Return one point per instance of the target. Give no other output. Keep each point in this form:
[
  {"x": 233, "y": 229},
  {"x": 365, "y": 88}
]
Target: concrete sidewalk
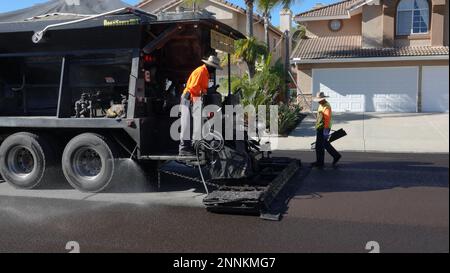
[{"x": 379, "y": 132}]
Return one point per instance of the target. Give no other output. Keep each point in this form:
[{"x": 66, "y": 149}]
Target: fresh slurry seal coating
[{"x": 399, "y": 200}]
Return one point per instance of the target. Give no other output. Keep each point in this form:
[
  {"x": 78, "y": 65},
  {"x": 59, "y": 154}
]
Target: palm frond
[
  {"x": 266, "y": 6},
  {"x": 289, "y": 3}
]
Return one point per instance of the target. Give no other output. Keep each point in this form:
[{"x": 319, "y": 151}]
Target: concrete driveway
[{"x": 379, "y": 132}]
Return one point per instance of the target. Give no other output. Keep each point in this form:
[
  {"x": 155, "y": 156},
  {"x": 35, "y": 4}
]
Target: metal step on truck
[{"x": 79, "y": 93}]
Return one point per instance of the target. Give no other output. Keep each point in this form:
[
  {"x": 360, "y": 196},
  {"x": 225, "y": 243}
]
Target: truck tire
[
  {"x": 89, "y": 162},
  {"x": 27, "y": 160}
]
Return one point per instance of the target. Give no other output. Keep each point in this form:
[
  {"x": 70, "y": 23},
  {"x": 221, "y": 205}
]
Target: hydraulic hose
[{"x": 214, "y": 148}]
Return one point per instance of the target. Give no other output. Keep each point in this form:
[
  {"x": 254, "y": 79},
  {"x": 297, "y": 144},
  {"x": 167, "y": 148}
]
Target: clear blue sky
[{"x": 301, "y": 5}]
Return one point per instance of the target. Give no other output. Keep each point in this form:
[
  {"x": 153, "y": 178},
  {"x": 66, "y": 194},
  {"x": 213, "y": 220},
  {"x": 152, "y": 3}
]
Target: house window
[
  {"x": 335, "y": 25},
  {"x": 412, "y": 17}
]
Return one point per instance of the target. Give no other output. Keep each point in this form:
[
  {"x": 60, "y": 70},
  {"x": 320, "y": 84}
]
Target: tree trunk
[
  {"x": 266, "y": 32},
  {"x": 249, "y": 4},
  {"x": 251, "y": 70}
]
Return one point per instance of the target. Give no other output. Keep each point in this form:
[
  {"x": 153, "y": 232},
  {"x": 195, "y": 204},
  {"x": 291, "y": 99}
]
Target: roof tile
[
  {"x": 342, "y": 47},
  {"x": 336, "y": 9}
]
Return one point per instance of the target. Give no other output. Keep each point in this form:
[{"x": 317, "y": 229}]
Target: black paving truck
[{"x": 79, "y": 92}]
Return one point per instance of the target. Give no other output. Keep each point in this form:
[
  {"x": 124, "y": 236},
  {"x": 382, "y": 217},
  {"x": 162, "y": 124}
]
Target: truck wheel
[
  {"x": 26, "y": 160},
  {"x": 88, "y": 162}
]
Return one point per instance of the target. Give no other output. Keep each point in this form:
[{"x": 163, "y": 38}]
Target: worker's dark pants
[
  {"x": 323, "y": 144},
  {"x": 187, "y": 120}
]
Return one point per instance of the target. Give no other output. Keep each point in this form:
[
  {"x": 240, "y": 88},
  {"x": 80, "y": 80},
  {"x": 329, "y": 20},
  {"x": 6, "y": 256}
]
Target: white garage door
[
  {"x": 380, "y": 89},
  {"x": 435, "y": 89}
]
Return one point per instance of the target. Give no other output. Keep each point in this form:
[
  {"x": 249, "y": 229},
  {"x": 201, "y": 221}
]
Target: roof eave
[
  {"x": 351, "y": 10},
  {"x": 359, "y": 5},
  {"x": 321, "y": 18},
  {"x": 295, "y": 61}
]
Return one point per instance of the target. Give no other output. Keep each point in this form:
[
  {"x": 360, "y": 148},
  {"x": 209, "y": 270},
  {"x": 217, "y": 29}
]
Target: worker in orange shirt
[
  {"x": 323, "y": 128},
  {"x": 196, "y": 86}
]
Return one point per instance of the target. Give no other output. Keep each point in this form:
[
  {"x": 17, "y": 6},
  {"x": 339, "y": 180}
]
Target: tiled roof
[
  {"x": 168, "y": 4},
  {"x": 343, "y": 47},
  {"x": 231, "y": 5},
  {"x": 336, "y": 9}
]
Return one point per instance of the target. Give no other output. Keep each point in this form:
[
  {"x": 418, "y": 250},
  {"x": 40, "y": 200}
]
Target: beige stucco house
[
  {"x": 227, "y": 13},
  {"x": 376, "y": 55}
]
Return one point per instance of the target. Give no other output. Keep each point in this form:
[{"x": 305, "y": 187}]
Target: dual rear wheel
[
  {"x": 89, "y": 162},
  {"x": 29, "y": 161}
]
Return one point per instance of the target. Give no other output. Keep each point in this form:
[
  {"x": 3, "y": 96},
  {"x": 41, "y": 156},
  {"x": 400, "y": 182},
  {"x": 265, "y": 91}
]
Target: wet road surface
[{"x": 400, "y": 201}]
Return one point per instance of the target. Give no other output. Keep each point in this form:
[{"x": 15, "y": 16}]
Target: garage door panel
[
  {"x": 333, "y": 95},
  {"x": 344, "y": 105},
  {"x": 380, "y": 89},
  {"x": 357, "y": 106},
  {"x": 381, "y": 107},
  {"x": 394, "y": 103},
  {"x": 435, "y": 89}
]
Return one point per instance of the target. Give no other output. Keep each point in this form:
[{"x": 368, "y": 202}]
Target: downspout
[{"x": 419, "y": 89}]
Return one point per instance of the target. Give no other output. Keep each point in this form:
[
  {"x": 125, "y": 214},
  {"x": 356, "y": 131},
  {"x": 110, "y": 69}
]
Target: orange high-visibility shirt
[
  {"x": 198, "y": 82},
  {"x": 327, "y": 118},
  {"x": 324, "y": 117}
]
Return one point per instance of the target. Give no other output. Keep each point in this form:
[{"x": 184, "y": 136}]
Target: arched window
[{"x": 413, "y": 17}]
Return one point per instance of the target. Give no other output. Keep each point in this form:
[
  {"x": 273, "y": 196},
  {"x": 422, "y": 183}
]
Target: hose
[
  {"x": 21, "y": 87},
  {"x": 211, "y": 147}
]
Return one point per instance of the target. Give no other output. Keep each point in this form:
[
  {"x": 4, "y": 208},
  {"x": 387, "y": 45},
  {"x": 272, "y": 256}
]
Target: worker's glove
[
  {"x": 187, "y": 95},
  {"x": 326, "y": 133},
  {"x": 213, "y": 89}
]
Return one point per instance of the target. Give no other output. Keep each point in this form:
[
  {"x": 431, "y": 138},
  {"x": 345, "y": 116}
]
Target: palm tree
[
  {"x": 249, "y": 8},
  {"x": 287, "y": 3},
  {"x": 298, "y": 33},
  {"x": 250, "y": 50},
  {"x": 266, "y": 7}
]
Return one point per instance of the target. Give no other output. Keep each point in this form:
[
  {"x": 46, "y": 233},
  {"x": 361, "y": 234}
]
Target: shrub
[
  {"x": 288, "y": 118},
  {"x": 266, "y": 88}
]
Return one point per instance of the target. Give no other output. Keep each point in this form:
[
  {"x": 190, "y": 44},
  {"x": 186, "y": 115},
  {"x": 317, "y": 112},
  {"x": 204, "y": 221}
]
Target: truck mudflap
[{"x": 259, "y": 194}]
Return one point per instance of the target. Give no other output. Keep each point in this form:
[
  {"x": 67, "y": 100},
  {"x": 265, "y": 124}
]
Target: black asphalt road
[{"x": 400, "y": 201}]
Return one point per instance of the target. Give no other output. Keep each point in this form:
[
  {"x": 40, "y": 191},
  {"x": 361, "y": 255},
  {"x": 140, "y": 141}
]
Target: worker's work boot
[
  {"x": 336, "y": 160},
  {"x": 186, "y": 152},
  {"x": 317, "y": 165}
]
